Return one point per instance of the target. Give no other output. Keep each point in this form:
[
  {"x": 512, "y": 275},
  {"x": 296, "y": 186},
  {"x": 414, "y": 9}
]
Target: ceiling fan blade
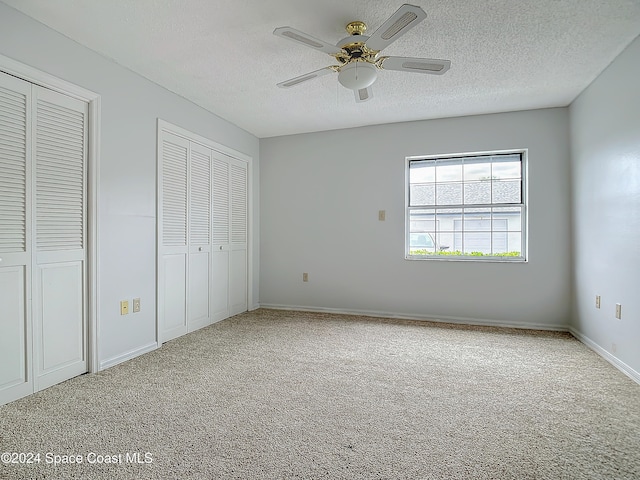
[
  {"x": 432, "y": 66},
  {"x": 405, "y": 18},
  {"x": 306, "y": 40},
  {"x": 292, "y": 82},
  {"x": 364, "y": 94}
]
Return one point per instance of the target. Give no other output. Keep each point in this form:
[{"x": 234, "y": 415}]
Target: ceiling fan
[{"x": 358, "y": 54}]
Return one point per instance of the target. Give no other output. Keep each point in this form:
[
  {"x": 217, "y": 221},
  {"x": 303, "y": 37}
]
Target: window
[{"x": 467, "y": 207}]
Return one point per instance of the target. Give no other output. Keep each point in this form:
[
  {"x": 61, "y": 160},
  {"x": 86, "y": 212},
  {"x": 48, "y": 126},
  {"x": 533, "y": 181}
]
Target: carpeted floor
[{"x": 273, "y": 394}]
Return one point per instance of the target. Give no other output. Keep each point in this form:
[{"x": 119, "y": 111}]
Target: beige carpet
[{"x": 273, "y": 395}]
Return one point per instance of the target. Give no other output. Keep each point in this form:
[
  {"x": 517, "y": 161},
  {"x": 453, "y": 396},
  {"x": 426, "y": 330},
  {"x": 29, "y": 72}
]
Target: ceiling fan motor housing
[{"x": 358, "y": 70}]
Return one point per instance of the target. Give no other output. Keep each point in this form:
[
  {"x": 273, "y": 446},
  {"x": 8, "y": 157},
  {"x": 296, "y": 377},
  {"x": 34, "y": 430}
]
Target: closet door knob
[{"x": 199, "y": 249}]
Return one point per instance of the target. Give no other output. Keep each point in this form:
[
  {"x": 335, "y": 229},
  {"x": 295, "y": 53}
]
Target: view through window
[{"x": 466, "y": 207}]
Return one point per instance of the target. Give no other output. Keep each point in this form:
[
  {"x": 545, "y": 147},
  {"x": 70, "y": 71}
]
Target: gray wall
[
  {"x": 127, "y": 176},
  {"x": 320, "y": 196},
  {"x": 605, "y": 145}
]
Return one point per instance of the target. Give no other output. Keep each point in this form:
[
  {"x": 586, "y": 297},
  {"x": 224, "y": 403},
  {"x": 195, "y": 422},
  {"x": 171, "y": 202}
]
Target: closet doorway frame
[{"x": 51, "y": 82}]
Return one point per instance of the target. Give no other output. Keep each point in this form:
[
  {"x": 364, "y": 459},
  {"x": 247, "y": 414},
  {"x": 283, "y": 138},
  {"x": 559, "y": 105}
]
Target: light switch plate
[
  {"x": 124, "y": 307},
  {"x": 136, "y": 305}
]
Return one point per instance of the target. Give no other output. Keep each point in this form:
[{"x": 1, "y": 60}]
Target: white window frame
[{"x": 523, "y": 258}]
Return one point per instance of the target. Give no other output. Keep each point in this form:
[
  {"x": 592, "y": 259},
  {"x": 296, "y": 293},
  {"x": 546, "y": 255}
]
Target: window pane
[
  {"x": 422, "y": 243},
  {"x": 472, "y": 215},
  {"x": 477, "y": 192},
  {"x": 448, "y": 172},
  {"x": 514, "y": 243},
  {"x": 446, "y": 218},
  {"x": 422, "y": 231},
  {"x": 507, "y": 219},
  {"x": 505, "y": 170},
  {"x": 422, "y": 172},
  {"x": 477, "y": 223},
  {"x": 507, "y": 191},
  {"x": 476, "y": 242},
  {"x": 477, "y": 171},
  {"x": 499, "y": 242},
  {"x": 444, "y": 241},
  {"x": 449, "y": 194},
  {"x": 422, "y": 194}
]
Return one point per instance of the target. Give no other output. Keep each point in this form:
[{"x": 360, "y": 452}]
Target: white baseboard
[
  {"x": 128, "y": 355},
  {"x": 429, "y": 318},
  {"x": 616, "y": 362}
]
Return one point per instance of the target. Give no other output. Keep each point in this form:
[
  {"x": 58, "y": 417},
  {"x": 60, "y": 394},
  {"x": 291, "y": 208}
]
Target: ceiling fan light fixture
[{"x": 357, "y": 75}]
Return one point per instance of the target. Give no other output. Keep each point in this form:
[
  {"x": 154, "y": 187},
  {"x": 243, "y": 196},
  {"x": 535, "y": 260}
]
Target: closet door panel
[
  {"x": 59, "y": 154},
  {"x": 16, "y": 379},
  {"x": 61, "y": 322},
  {"x": 221, "y": 203},
  {"x": 199, "y": 237},
  {"x": 238, "y": 281},
  {"x": 220, "y": 284},
  {"x": 238, "y": 247},
  {"x": 174, "y": 297},
  {"x": 173, "y": 249},
  {"x": 198, "y": 290}
]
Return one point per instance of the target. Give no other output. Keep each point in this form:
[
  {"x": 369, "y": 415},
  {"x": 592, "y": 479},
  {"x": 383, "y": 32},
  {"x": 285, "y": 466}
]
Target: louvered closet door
[
  {"x": 60, "y": 293},
  {"x": 229, "y": 286},
  {"x": 221, "y": 234},
  {"x": 15, "y": 239},
  {"x": 238, "y": 246},
  {"x": 173, "y": 230},
  {"x": 199, "y": 237}
]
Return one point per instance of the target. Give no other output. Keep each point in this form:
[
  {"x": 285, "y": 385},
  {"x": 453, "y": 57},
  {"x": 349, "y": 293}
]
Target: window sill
[{"x": 470, "y": 258}]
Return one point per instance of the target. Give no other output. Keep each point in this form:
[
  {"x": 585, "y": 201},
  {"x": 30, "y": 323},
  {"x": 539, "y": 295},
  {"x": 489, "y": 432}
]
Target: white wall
[
  {"x": 320, "y": 196},
  {"x": 127, "y": 176},
  {"x": 605, "y": 146}
]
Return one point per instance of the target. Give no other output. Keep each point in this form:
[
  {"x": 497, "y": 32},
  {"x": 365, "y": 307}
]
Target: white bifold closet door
[
  {"x": 43, "y": 322},
  {"x": 229, "y": 252},
  {"x": 59, "y": 290},
  {"x": 173, "y": 251},
  {"x": 185, "y": 247},
  {"x": 202, "y": 235},
  {"x": 16, "y": 379},
  {"x": 199, "y": 308}
]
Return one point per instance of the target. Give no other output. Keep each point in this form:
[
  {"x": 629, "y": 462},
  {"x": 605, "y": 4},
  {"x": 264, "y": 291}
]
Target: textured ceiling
[{"x": 506, "y": 55}]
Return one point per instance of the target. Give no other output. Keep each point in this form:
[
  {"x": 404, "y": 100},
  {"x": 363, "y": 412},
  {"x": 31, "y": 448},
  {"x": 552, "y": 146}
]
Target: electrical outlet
[
  {"x": 124, "y": 307},
  {"x": 597, "y": 301},
  {"x": 305, "y": 277},
  {"x": 136, "y": 305},
  {"x": 618, "y": 311},
  {"x": 382, "y": 215}
]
